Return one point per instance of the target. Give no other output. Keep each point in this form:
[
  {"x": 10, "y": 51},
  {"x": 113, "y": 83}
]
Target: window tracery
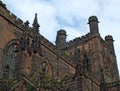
[{"x": 9, "y": 59}]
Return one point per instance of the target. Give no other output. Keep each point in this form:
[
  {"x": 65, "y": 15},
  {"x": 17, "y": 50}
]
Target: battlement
[
  {"x": 12, "y": 17},
  {"x": 2, "y": 4},
  {"x": 79, "y": 40}
]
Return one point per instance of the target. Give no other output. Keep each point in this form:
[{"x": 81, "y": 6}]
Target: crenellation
[
  {"x": 10, "y": 15},
  {"x": 15, "y": 20},
  {"x": 88, "y": 35},
  {"x": 2, "y": 4},
  {"x": 13, "y": 17},
  {"x": 7, "y": 12},
  {"x": 83, "y": 37},
  {"x": 20, "y": 22},
  {"x": 79, "y": 40}
]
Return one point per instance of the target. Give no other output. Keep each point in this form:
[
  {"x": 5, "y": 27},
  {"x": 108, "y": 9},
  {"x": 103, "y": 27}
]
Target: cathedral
[{"x": 30, "y": 62}]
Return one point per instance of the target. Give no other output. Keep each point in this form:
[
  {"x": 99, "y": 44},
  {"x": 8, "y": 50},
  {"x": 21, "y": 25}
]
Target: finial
[{"x": 35, "y": 24}]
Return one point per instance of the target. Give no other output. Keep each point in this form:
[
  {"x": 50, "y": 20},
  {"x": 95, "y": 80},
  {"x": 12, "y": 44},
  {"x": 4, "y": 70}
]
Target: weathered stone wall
[
  {"x": 98, "y": 53},
  {"x": 59, "y": 65},
  {"x": 6, "y": 32},
  {"x": 88, "y": 46},
  {"x": 85, "y": 84},
  {"x": 109, "y": 63}
]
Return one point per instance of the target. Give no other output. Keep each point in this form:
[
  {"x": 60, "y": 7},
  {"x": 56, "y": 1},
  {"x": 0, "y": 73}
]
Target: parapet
[
  {"x": 79, "y": 39},
  {"x": 2, "y": 4},
  {"x": 5, "y": 13}
]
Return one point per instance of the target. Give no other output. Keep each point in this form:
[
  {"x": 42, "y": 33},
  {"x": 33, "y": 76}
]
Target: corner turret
[
  {"x": 61, "y": 39},
  {"x": 93, "y": 24},
  {"x": 109, "y": 40}
]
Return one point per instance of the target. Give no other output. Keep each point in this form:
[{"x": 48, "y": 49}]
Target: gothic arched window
[{"x": 9, "y": 59}]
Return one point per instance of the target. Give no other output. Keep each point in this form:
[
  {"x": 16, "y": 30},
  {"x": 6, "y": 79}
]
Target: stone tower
[
  {"x": 93, "y": 24},
  {"x": 61, "y": 39}
]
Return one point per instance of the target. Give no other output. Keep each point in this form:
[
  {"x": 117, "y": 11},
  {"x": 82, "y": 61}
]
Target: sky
[{"x": 71, "y": 15}]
